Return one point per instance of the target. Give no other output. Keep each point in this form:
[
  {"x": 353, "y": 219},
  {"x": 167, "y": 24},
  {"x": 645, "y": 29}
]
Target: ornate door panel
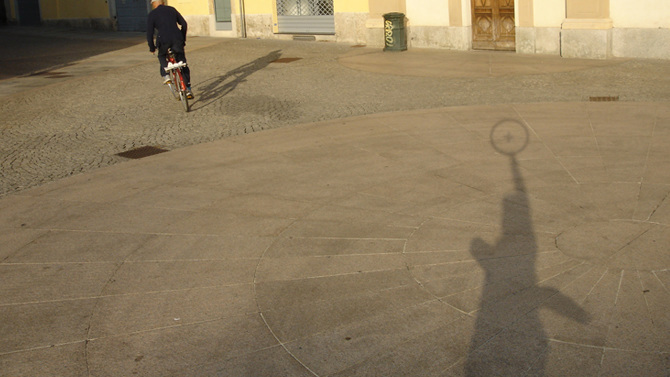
[{"x": 493, "y": 25}]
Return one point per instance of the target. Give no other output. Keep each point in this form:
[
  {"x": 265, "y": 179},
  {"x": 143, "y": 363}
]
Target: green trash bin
[{"x": 395, "y": 38}]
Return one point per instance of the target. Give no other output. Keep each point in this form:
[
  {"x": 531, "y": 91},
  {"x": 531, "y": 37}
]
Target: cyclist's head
[{"x": 156, "y": 3}]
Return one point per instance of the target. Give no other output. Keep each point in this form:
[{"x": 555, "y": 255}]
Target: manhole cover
[{"x": 141, "y": 152}]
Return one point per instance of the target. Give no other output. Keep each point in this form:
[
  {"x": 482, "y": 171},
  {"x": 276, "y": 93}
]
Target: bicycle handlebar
[{"x": 171, "y": 66}]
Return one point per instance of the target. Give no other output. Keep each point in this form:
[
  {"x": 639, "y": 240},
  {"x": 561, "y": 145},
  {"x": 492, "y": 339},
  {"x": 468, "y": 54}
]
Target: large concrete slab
[{"x": 524, "y": 239}]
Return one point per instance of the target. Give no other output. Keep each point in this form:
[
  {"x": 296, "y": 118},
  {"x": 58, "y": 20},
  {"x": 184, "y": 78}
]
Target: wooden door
[{"x": 493, "y": 25}]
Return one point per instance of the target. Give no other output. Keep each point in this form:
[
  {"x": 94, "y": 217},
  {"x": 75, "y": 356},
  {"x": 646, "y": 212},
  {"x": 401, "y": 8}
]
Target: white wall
[
  {"x": 640, "y": 13},
  {"x": 466, "y": 9},
  {"x": 428, "y": 12}
]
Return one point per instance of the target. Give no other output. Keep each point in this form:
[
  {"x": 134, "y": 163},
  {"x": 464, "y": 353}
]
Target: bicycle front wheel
[{"x": 184, "y": 100}]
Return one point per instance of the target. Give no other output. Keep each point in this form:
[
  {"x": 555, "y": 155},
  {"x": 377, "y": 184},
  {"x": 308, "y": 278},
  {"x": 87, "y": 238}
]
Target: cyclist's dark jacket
[{"x": 165, "y": 19}]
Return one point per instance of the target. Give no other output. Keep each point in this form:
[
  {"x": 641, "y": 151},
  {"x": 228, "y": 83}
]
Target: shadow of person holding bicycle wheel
[
  {"x": 218, "y": 87},
  {"x": 509, "y": 337}
]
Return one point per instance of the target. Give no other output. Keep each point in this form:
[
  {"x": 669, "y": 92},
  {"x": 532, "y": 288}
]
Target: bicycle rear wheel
[
  {"x": 182, "y": 91},
  {"x": 174, "y": 84}
]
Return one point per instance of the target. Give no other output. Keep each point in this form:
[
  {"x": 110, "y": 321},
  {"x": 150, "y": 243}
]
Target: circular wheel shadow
[{"x": 509, "y": 137}]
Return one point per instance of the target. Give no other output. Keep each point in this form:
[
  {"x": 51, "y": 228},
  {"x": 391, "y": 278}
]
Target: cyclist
[{"x": 165, "y": 19}]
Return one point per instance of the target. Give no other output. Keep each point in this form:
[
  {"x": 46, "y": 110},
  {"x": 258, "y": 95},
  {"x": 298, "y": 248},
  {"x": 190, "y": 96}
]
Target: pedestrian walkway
[
  {"x": 512, "y": 239},
  {"x": 462, "y": 64}
]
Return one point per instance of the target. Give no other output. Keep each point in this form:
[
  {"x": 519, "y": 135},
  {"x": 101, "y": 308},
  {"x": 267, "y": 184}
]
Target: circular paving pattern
[
  {"x": 622, "y": 244},
  {"x": 524, "y": 240},
  {"x": 541, "y": 253}
]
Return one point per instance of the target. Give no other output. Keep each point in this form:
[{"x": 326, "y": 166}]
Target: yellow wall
[
  {"x": 379, "y": 7},
  {"x": 351, "y": 6},
  {"x": 268, "y": 6},
  {"x": 49, "y": 9},
  {"x": 191, "y": 7},
  {"x": 588, "y": 8},
  {"x": 548, "y": 13},
  {"x": 64, "y": 9},
  {"x": 258, "y": 6}
]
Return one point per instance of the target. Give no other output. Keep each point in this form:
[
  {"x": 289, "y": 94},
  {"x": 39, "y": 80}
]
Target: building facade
[{"x": 598, "y": 29}]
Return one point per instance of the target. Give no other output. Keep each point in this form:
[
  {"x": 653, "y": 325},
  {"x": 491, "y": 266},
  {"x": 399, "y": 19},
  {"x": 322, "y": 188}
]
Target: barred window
[{"x": 305, "y": 7}]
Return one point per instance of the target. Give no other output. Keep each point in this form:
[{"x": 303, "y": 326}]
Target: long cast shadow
[
  {"x": 32, "y": 50},
  {"x": 509, "y": 338},
  {"x": 218, "y": 87}
]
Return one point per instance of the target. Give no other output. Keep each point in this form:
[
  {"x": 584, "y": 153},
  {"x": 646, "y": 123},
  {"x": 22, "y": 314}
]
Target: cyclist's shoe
[
  {"x": 166, "y": 79},
  {"x": 189, "y": 93}
]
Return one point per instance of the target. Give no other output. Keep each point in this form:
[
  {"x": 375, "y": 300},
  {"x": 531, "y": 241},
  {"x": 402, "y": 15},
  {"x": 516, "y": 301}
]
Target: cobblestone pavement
[
  {"x": 68, "y": 124},
  {"x": 522, "y": 239}
]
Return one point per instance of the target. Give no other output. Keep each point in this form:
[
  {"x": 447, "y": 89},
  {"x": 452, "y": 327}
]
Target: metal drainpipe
[{"x": 243, "y": 21}]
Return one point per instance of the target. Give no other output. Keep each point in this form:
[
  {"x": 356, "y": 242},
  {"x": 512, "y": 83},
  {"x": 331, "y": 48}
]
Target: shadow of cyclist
[
  {"x": 218, "y": 87},
  {"x": 509, "y": 338}
]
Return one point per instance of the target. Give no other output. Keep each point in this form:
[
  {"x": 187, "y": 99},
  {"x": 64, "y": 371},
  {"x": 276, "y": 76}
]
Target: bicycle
[{"x": 176, "y": 83}]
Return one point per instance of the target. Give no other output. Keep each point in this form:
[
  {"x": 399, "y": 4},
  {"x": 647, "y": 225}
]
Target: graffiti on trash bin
[{"x": 388, "y": 29}]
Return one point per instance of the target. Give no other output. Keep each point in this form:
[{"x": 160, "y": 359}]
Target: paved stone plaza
[{"x": 425, "y": 213}]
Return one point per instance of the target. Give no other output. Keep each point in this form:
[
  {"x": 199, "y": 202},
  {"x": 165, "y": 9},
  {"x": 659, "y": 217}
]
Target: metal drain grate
[
  {"x": 141, "y": 152},
  {"x": 309, "y": 38},
  {"x": 604, "y": 99},
  {"x": 285, "y": 60}
]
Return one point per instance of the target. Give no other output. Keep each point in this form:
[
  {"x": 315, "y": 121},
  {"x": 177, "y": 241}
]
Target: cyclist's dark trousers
[{"x": 179, "y": 55}]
